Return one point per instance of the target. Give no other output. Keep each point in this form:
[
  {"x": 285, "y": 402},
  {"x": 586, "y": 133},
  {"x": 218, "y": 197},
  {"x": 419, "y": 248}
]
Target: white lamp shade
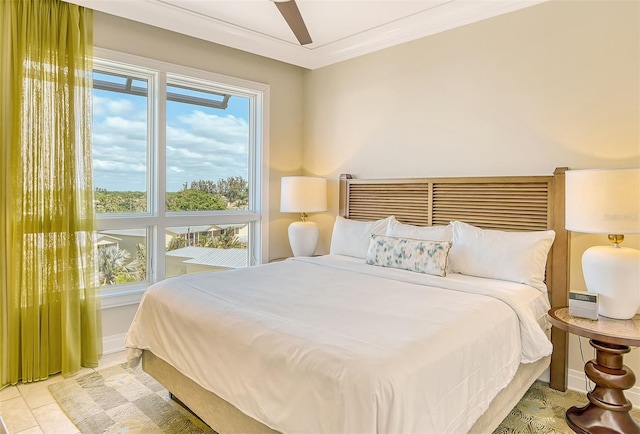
[
  {"x": 603, "y": 201},
  {"x": 303, "y": 194},
  {"x": 607, "y": 201}
]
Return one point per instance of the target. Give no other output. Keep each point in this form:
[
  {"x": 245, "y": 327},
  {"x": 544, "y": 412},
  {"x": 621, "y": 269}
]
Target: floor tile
[
  {"x": 34, "y": 430},
  {"x": 37, "y": 394},
  {"x": 16, "y": 415},
  {"x": 53, "y": 420},
  {"x": 9, "y": 392}
]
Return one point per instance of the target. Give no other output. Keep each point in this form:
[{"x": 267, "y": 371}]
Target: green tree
[
  {"x": 235, "y": 189},
  {"x": 206, "y": 186},
  {"x": 194, "y": 200},
  {"x": 232, "y": 192},
  {"x": 119, "y": 201}
]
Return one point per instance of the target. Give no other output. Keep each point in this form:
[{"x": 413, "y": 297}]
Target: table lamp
[
  {"x": 303, "y": 194},
  {"x": 607, "y": 201}
]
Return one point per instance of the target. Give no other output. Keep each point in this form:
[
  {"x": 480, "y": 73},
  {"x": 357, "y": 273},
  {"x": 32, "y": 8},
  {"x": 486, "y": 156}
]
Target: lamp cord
[{"x": 587, "y": 382}]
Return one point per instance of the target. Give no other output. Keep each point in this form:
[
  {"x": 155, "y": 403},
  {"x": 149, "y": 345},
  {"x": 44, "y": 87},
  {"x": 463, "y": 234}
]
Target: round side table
[{"x": 608, "y": 408}]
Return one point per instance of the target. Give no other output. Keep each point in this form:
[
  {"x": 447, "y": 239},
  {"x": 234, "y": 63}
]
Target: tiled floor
[{"x": 30, "y": 408}]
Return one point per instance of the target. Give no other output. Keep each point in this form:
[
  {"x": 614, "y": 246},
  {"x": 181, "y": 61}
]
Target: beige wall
[
  {"x": 285, "y": 81},
  {"x": 553, "y": 85}
]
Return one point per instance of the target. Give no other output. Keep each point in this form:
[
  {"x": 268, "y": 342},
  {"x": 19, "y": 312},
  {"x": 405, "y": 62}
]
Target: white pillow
[
  {"x": 422, "y": 256},
  {"x": 514, "y": 256},
  {"x": 433, "y": 233},
  {"x": 351, "y": 237}
]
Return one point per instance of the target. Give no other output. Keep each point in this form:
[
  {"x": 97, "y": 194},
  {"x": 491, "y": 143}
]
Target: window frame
[{"x": 157, "y": 219}]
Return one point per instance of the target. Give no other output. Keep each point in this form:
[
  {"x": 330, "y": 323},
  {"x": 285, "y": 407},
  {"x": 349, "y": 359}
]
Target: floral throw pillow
[{"x": 422, "y": 256}]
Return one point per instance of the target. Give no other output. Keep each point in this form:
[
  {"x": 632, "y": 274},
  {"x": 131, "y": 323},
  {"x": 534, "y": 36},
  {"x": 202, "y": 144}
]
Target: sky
[{"x": 202, "y": 143}]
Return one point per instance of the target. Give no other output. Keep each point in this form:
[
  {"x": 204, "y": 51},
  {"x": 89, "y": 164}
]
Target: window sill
[{"x": 114, "y": 299}]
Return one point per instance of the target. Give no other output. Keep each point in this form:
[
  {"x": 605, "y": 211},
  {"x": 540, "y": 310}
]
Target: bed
[{"x": 361, "y": 341}]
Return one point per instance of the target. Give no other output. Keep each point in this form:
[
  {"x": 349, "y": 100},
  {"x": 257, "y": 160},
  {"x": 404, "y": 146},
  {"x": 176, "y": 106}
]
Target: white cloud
[
  {"x": 108, "y": 106},
  {"x": 206, "y": 147},
  {"x": 119, "y": 153},
  {"x": 199, "y": 146}
]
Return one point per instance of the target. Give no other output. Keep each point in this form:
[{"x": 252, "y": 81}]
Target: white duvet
[{"x": 337, "y": 346}]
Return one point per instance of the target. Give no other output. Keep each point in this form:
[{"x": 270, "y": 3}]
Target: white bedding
[{"x": 334, "y": 345}]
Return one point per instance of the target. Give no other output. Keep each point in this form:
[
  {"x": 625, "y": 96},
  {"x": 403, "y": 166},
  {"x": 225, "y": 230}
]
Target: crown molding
[{"x": 439, "y": 18}]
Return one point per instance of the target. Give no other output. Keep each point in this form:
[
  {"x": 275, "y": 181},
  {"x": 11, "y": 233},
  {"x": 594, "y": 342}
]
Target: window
[{"x": 177, "y": 170}]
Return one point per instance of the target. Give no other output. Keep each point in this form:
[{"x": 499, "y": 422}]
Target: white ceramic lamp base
[
  {"x": 303, "y": 237},
  {"x": 614, "y": 274}
]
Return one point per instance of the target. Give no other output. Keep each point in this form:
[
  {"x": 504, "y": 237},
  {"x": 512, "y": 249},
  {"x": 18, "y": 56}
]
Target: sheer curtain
[{"x": 49, "y": 301}]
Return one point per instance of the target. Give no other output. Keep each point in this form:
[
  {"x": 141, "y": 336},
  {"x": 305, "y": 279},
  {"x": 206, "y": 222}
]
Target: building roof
[
  {"x": 232, "y": 225},
  {"x": 180, "y": 230},
  {"x": 106, "y": 240},
  {"x": 139, "y": 232},
  {"x": 225, "y": 258}
]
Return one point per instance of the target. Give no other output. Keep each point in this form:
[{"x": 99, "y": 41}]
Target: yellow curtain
[{"x": 49, "y": 301}]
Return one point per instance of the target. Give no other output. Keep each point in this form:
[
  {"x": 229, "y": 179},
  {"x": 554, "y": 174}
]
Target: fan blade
[{"x": 291, "y": 13}]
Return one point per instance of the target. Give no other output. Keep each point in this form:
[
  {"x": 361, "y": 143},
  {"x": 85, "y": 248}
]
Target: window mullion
[{"x": 160, "y": 173}]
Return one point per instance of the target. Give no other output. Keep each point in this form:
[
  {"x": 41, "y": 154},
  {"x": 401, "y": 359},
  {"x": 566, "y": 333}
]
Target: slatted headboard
[{"x": 516, "y": 203}]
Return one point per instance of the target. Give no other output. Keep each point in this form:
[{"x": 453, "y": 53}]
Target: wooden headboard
[{"x": 515, "y": 203}]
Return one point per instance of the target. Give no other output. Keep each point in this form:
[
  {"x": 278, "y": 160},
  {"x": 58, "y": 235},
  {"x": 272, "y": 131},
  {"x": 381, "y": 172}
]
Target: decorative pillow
[
  {"x": 429, "y": 257},
  {"x": 433, "y": 233},
  {"x": 351, "y": 237},
  {"x": 514, "y": 256}
]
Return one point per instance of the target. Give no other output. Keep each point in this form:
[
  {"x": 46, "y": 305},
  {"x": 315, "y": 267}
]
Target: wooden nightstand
[{"x": 608, "y": 408}]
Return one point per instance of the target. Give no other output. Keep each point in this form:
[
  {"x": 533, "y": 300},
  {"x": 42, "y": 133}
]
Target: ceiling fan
[{"x": 291, "y": 13}]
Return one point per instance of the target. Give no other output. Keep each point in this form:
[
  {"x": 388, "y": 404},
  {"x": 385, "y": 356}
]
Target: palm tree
[
  {"x": 139, "y": 265},
  {"x": 227, "y": 239},
  {"x": 177, "y": 243},
  {"x": 113, "y": 262}
]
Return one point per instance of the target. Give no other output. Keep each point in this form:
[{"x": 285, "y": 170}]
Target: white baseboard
[
  {"x": 576, "y": 381},
  {"x": 113, "y": 343}
]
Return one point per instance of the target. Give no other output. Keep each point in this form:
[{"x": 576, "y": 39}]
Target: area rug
[
  {"x": 542, "y": 409},
  {"x": 120, "y": 399}
]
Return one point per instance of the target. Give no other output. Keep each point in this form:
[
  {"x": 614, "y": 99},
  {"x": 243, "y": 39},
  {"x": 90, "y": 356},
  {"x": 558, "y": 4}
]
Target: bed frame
[{"x": 515, "y": 203}]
